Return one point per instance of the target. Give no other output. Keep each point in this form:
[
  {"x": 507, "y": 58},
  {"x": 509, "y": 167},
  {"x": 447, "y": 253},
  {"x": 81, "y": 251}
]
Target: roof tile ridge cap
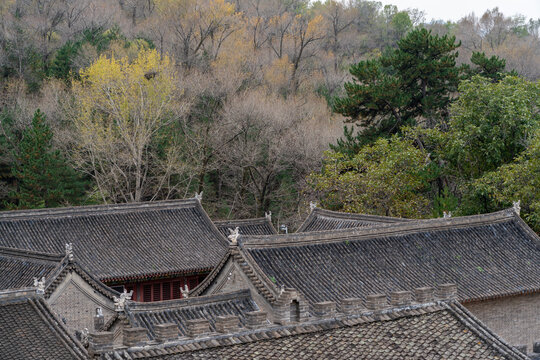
[
  {"x": 214, "y": 273},
  {"x": 110, "y": 322},
  {"x": 268, "y": 221},
  {"x": 57, "y": 275},
  {"x": 308, "y": 220},
  {"x": 527, "y": 291},
  {"x": 93, "y": 280},
  {"x": 526, "y": 227},
  {"x": 209, "y": 222},
  {"x": 31, "y": 254},
  {"x": 259, "y": 219},
  {"x": 214, "y": 340},
  {"x": 404, "y": 310},
  {"x": 8, "y": 295},
  {"x": 137, "y": 275},
  {"x": 356, "y": 216},
  {"x": 69, "y": 211},
  {"x": 480, "y": 329},
  {"x": 175, "y": 304},
  {"x": 275, "y": 331},
  {"x": 260, "y": 274},
  {"x": 375, "y": 230},
  {"x": 60, "y": 331}
]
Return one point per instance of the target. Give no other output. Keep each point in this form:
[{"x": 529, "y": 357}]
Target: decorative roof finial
[
  {"x": 268, "y": 215},
  {"x": 198, "y": 196},
  {"x": 281, "y": 289},
  {"x": 312, "y": 205},
  {"x": 120, "y": 302},
  {"x": 447, "y": 214},
  {"x": 184, "y": 291},
  {"x": 233, "y": 237},
  {"x": 517, "y": 206},
  {"x": 69, "y": 251},
  {"x": 84, "y": 336},
  {"x": 40, "y": 285}
]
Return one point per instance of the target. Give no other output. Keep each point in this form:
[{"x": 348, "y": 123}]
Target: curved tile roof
[
  {"x": 259, "y": 226},
  {"x": 121, "y": 242},
  {"x": 321, "y": 219},
  {"x": 427, "y": 331},
  {"x": 29, "y": 330},
  {"x": 18, "y": 268},
  {"x": 148, "y": 315},
  {"x": 488, "y": 256}
]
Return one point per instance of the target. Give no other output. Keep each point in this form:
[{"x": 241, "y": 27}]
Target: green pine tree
[
  {"x": 44, "y": 177},
  {"x": 414, "y": 81},
  {"x": 492, "y": 68}
]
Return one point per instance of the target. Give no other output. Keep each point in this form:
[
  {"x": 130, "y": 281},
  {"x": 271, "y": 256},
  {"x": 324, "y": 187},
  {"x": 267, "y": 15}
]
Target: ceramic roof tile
[
  {"x": 148, "y": 315},
  {"x": 487, "y": 256},
  {"x": 19, "y": 267},
  {"x": 260, "y": 226},
  {"x": 446, "y": 332},
  {"x": 322, "y": 220},
  {"x": 29, "y": 330},
  {"x": 175, "y": 237}
]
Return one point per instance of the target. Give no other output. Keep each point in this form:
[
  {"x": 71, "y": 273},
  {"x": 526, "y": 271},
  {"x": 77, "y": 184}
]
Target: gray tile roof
[
  {"x": 18, "y": 268},
  {"x": 441, "y": 330},
  {"x": 147, "y": 315},
  {"x": 259, "y": 226},
  {"x": 488, "y": 256},
  {"x": 321, "y": 220},
  {"x": 29, "y": 330},
  {"x": 121, "y": 242}
]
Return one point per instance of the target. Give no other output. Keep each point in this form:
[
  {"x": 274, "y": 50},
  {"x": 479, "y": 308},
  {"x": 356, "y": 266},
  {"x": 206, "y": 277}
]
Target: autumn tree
[
  {"x": 389, "y": 177},
  {"x": 120, "y": 107}
]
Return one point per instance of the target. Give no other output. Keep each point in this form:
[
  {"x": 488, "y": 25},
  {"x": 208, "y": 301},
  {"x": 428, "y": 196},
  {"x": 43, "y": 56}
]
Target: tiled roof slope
[
  {"x": 119, "y": 242},
  {"x": 430, "y": 331},
  {"x": 259, "y": 226},
  {"x": 488, "y": 256},
  {"x": 29, "y": 330},
  {"x": 148, "y": 315},
  {"x": 321, "y": 219},
  {"x": 19, "y": 267}
]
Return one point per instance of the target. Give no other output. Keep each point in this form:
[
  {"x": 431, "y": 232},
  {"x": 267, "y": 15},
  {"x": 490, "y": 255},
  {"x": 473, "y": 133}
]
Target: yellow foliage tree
[{"x": 120, "y": 106}]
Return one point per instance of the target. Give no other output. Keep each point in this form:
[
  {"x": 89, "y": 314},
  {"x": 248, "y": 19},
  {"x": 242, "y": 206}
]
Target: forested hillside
[{"x": 246, "y": 101}]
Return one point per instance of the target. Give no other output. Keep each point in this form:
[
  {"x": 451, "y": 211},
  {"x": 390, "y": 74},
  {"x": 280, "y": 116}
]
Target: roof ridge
[
  {"x": 19, "y": 294},
  {"x": 60, "y": 273},
  {"x": 362, "y": 216},
  {"x": 485, "y": 333},
  {"x": 329, "y": 236},
  {"x": 30, "y": 254},
  {"x": 275, "y": 331},
  {"x": 207, "y": 281},
  {"x": 331, "y": 214},
  {"x": 95, "y": 209},
  {"x": 246, "y": 221},
  {"x": 59, "y": 330}
]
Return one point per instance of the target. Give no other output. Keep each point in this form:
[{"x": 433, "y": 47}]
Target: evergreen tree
[
  {"x": 414, "y": 81},
  {"x": 44, "y": 177},
  {"x": 62, "y": 65},
  {"x": 492, "y": 68}
]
